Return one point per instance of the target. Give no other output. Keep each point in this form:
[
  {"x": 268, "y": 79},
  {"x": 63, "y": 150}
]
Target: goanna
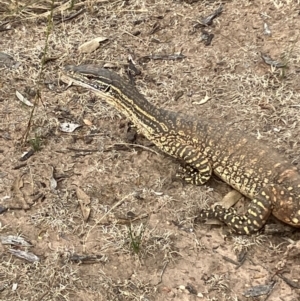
[{"x": 206, "y": 147}]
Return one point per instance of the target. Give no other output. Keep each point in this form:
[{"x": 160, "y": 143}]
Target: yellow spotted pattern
[{"x": 204, "y": 147}]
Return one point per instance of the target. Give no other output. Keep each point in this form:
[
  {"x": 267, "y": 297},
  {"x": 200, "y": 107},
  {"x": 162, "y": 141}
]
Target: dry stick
[
  {"x": 134, "y": 145},
  {"x": 111, "y": 147},
  {"x": 72, "y": 16},
  {"x": 162, "y": 272},
  {"x": 38, "y": 96},
  {"x": 134, "y": 37},
  {"x": 30, "y": 119},
  {"x": 110, "y": 210}
]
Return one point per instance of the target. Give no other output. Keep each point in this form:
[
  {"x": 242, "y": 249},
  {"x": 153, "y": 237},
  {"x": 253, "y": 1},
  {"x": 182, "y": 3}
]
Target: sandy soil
[{"x": 105, "y": 219}]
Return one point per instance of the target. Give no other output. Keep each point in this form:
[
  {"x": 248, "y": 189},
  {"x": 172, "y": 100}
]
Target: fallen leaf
[
  {"x": 158, "y": 193},
  {"x": 84, "y": 201},
  {"x": 91, "y": 45},
  {"x": 14, "y": 287},
  {"x": 24, "y": 99},
  {"x": 53, "y": 182},
  {"x": 269, "y": 61},
  {"x": 87, "y": 122},
  {"x": 267, "y": 30},
  {"x": 202, "y": 101},
  {"x": 231, "y": 198},
  {"x": 109, "y": 65},
  {"x": 26, "y": 155},
  {"x": 69, "y": 127}
]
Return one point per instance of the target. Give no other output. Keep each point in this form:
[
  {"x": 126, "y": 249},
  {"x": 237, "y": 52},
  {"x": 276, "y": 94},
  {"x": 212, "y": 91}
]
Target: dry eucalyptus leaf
[
  {"x": 26, "y": 155},
  {"x": 84, "y": 201},
  {"x": 66, "y": 80},
  {"x": 202, "y": 101},
  {"x": 53, "y": 182},
  {"x": 231, "y": 198},
  {"x": 14, "y": 287},
  {"x": 158, "y": 193},
  {"x": 109, "y": 65},
  {"x": 91, "y": 45},
  {"x": 69, "y": 127},
  {"x": 267, "y": 30},
  {"x": 24, "y": 99},
  {"x": 87, "y": 122},
  {"x": 85, "y": 210},
  {"x": 269, "y": 61}
]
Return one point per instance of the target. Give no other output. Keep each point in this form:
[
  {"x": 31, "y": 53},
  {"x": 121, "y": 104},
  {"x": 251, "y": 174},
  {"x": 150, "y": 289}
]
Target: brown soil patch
[{"x": 172, "y": 259}]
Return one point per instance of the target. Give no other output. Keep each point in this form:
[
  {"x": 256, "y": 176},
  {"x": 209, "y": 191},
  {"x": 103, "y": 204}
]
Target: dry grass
[{"x": 161, "y": 253}]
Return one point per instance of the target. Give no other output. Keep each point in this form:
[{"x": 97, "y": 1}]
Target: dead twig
[
  {"x": 175, "y": 56},
  {"x": 70, "y": 17}
]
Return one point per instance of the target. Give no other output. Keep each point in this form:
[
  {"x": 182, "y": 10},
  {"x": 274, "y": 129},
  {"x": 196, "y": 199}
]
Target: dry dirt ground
[{"x": 139, "y": 241}]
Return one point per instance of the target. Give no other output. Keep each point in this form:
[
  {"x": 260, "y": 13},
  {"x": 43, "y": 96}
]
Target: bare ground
[{"x": 161, "y": 254}]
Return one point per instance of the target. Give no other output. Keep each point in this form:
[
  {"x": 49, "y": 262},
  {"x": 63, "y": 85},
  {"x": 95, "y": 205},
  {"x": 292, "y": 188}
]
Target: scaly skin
[{"x": 205, "y": 147}]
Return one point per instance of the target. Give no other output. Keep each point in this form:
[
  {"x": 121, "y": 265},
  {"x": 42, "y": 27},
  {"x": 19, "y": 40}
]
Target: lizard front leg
[{"x": 196, "y": 169}]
